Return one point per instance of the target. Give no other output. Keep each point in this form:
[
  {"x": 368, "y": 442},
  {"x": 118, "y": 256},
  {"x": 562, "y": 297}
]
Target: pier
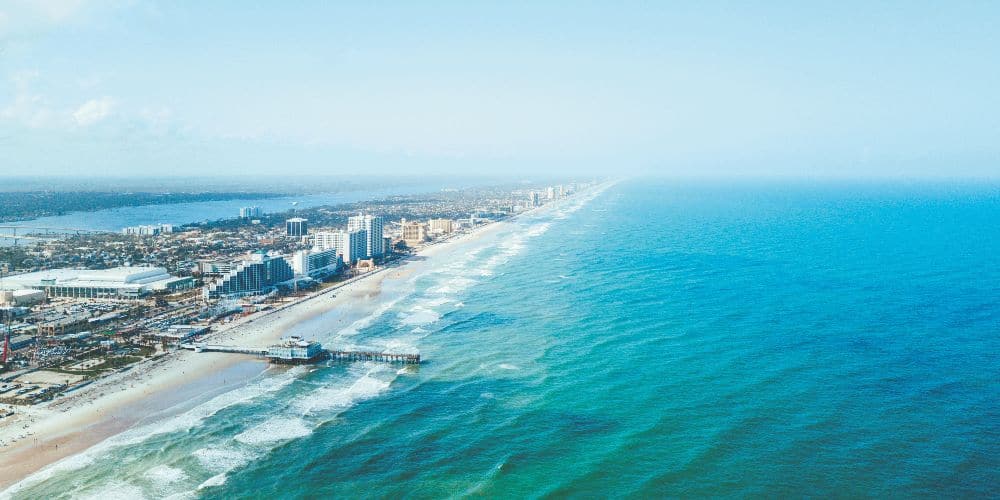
[
  {"x": 299, "y": 351},
  {"x": 413, "y": 359},
  {"x": 256, "y": 351}
]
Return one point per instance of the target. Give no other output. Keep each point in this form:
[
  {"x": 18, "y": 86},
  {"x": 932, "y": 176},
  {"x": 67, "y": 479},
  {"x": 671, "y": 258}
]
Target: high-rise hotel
[
  {"x": 374, "y": 239},
  {"x": 349, "y": 245}
]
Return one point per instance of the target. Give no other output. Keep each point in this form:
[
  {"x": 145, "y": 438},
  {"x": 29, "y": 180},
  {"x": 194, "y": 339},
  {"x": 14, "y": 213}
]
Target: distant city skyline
[{"x": 148, "y": 88}]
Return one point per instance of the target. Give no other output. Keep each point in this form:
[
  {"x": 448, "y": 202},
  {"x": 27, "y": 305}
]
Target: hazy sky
[{"x": 697, "y": 88}]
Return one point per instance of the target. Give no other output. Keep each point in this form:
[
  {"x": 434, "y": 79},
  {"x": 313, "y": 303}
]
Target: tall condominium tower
[
  {"x": 375, "y": 239},
  {"x": 349, "y": 245},
  {"x": 296, "y": 227}
]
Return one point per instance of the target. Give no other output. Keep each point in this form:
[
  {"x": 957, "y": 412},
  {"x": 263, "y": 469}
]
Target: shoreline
[
  {"x": 174, "y": 382},
  {"x": 179, "y": 380}
]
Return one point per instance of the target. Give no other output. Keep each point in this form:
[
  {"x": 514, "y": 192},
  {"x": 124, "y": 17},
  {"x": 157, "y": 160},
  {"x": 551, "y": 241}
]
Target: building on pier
[{"x": 295, "y": 350}]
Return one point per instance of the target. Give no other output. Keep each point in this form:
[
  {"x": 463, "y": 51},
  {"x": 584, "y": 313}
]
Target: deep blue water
[{"x": 657, "y": 340}]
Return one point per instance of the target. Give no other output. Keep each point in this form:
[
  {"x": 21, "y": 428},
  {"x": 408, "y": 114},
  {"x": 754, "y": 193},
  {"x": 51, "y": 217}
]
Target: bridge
[
  {"x": 50, "y": 229},
  {"x": 41, "y": 233},
  {"x": 28, "y": 238}
]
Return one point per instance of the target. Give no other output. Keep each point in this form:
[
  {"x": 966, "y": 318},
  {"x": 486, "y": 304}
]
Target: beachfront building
[
  {"x": 373, "y": 225},
  {"x": 441, "y": 226},
  {"x": 413, "y": 232},
  {"x": 316, "y": 262},
  {"x": 348, "y": 245},
  {"x": 533, "y": 199},
  {"x": 259, "y": 274},
  {"x": 115, "y": 283},
  {"x": 296, "y": 226}
]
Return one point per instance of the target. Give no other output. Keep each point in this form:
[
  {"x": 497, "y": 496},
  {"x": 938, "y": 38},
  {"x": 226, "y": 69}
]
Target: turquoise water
[{"x": 655, "y": 340}]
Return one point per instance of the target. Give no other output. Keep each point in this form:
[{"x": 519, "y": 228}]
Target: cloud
[
  {"x": 29, "y": 108},
  {"x": 93, "y": 111},
  {"x": 33, "y": 18},
  {"x": 56, "y": 10}
]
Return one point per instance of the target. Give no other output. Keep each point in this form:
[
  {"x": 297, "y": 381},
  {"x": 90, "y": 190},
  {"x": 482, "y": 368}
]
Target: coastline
[{"x": 180, "y": 379}]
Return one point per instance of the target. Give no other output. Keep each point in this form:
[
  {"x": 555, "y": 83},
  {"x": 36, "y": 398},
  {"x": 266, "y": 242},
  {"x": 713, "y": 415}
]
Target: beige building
[
  {"x": 441, "y": 226},
  {"x": 21, "y": 297},
  {"x": 414, "y": 233}
]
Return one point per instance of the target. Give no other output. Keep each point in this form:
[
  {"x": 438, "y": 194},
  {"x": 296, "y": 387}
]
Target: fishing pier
[
  {"x": 295, "y": 350},
  {"x": 374, "y": 356}
]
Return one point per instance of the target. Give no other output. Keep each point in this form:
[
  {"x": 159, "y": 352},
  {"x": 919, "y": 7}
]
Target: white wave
[
  {"x": 115, "y": 490},
  {"x": 216, "y": 480},
  {"x": 538, "y": 229},
  {"x": 436, "y": 301},
  {"x": 183, "y": 421},
  {"x": 165, "y": 474},
  {"x": 508, "y": 366},
  {"x": 330, "y": 398},
  {"x": 453, "y": 286},
  {"x": 275, "y": 429},
  {"x": 362, "y": 323},
  {"x": 402, "y": 345},
  {"x": 419, "y": 317},
  {"x": 222, "y": 459}
]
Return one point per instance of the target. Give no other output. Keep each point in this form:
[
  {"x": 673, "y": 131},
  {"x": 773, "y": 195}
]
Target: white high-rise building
[
  {"x": 325, "y": 239},
  {"x": 353, "y": 246},
  {"x": 314, "y": 262},
  {"x": 349, "y": 245},
  {"x": 250, "y": 212},
  {"x": 533, "y": 199},
  {"x": 551, "y": 192},
  {"x": 375, "y": 239}
]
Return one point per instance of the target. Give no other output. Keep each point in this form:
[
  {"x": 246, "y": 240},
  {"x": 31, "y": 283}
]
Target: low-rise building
[
  {"x": 114, "y": 283},
  {"x": 295, "y": 350},
  {"x": 441, "y": 226},
  {"x": 21, "y": 298}
]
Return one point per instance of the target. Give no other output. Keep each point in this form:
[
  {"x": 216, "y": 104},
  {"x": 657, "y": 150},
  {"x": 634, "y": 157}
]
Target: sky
[{"x": 717, "y": 89}]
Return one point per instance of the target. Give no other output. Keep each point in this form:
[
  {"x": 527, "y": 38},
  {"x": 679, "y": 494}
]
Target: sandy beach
[{"x": 43, "y": 434}]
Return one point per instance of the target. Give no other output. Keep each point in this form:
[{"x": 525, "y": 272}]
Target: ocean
[{"x": 650, "y": 339}]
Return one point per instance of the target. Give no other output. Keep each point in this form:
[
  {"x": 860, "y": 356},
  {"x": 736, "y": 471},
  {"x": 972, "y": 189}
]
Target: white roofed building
[{"x": 114, "y": 283}]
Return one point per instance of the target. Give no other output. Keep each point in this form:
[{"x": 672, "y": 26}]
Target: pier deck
[
  {"x": 335, "y": 355},
  {"x": 375, "y": 356}
]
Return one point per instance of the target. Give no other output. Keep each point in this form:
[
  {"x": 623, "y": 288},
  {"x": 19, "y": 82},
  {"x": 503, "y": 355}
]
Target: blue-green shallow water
[{"x": 656, "y": 340}]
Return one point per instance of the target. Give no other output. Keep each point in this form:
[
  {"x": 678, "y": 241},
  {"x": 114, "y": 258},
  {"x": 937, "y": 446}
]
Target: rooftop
[{"x": 117, "y": 277}]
